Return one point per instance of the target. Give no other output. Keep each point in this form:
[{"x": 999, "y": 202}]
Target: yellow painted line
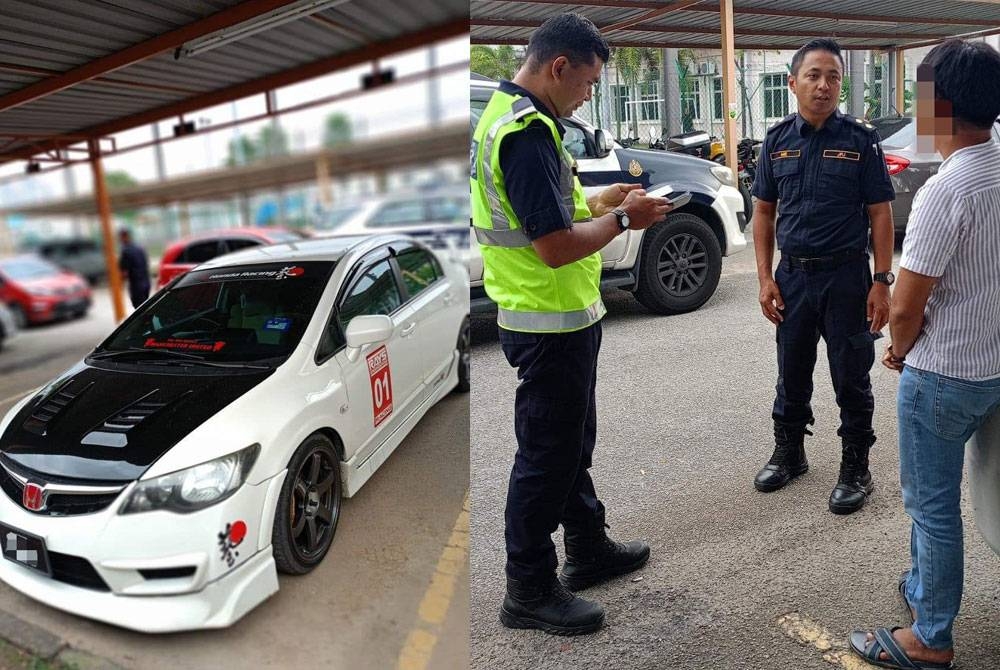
[
  {"x": 419, "y": 646},
  {"x": 810, "y": 634}
]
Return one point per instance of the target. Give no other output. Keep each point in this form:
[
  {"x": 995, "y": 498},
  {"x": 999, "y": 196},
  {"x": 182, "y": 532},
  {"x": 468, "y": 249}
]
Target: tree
[
  {"x": 336, "y": 130},
  {"x": 500, "y": 62},
  {"x": 118, "y": 179},
  {"x": 271, "y": 140}
]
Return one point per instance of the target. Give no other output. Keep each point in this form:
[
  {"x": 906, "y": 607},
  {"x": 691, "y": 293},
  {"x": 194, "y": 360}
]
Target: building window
[
  {"x": 717, "y": 101},
  {"x": 775, "y": 96},
  {"x": 691, "y": 101},
  {"x": 620, "y": 96},
  {"x": 650, "y": 93}
]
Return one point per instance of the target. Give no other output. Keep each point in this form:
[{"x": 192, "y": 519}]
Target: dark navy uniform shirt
[
  {"x": 530, "y": 162},
  {"x": 134, "y": 264},
  {"x": 822, "y": 181}
]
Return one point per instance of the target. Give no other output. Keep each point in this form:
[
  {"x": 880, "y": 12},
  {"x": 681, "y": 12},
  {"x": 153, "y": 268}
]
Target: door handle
[{"x": 407, "y": 330}]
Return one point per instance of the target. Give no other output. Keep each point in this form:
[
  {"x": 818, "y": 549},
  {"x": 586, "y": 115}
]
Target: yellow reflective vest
[{"x": 530, "y": 296}]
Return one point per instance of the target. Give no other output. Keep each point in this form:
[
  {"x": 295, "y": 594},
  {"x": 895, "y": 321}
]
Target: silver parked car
[{"x": 908, "y": 167}]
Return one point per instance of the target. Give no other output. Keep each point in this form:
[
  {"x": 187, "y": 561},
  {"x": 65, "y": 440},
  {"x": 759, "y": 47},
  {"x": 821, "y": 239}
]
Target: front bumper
[
  {"x": 728, "y": 202},
  {"x": 154, "y": 572}
]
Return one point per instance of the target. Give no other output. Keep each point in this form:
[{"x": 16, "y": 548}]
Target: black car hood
[
  {"x": 111, "y": 425},
  {"x": 651, "y": 168}
]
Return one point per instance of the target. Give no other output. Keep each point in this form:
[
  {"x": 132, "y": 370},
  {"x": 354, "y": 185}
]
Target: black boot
[
  {"x": 788, "y": 460},
  {"x": 595, "y": 558},
  {"x": 548, "y": 606},
  {"x": 855, "y": 482}
]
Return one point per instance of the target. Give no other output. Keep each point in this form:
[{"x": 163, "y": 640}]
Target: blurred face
[
  {"x": 573, "y": 84},
  {"x": 934, "y": 116},
  {"x": 817, "y": 84}
]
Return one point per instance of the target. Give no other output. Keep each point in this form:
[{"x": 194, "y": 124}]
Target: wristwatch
[
  {"x": 623, "y": 220},
  {"x": 886, "y": 278}
]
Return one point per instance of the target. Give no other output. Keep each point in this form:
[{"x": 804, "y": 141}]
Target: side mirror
[
  {"x": 366, "y": 329},
  {"x": 603, "y": 142}
]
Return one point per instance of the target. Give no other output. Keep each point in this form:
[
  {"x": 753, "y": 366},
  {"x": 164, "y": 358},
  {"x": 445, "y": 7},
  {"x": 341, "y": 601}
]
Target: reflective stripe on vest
[
  {"x": 503, "y": 238},
  {"x": 549, "y": 322}
]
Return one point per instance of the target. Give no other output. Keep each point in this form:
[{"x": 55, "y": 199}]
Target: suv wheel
[{"x": 679, "y": 266}]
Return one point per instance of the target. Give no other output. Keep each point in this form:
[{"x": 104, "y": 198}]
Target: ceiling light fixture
[{"x": 272, "y": 19}]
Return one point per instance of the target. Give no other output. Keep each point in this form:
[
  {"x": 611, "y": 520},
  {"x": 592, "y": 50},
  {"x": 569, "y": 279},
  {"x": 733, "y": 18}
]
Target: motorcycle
[{"x": 746, "y": 160}]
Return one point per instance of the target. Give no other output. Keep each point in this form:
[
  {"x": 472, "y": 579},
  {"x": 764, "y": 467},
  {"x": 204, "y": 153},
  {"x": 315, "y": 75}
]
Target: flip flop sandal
[
  {"x": 870, "y": 650},
  {"x": 901, "y": 587}
]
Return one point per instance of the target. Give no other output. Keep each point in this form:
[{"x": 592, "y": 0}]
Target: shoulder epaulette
[
  {"x": 859, "y": 122},
  {"x": 788, "y": 119}
]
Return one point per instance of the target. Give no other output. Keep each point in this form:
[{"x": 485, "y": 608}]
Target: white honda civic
[{"x": 160, "y": 483}]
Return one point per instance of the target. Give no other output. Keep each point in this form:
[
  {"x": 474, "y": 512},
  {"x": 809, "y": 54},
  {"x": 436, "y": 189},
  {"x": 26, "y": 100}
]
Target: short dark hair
[
  {"x": 966, "y": 74},
  {"x": 821, "y": 44},
  {"x": 571, "y": 35}
]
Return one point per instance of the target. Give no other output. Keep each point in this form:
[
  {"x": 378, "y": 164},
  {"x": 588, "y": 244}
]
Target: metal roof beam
[
  {"x": 139, "y": 52},
  {"x": 503, "y": 23},
  {"x": 672, "y": 7},
  {"x": 761, "y": 11},
  {"x": 308, "y": 71},
  {"x": 669, "y": 44}
]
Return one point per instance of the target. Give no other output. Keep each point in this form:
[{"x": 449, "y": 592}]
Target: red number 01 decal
[{"x": 378, "y": 373}]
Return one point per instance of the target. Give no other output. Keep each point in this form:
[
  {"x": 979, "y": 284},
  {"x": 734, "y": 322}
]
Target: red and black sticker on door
[{"x": 378, "y": 373}]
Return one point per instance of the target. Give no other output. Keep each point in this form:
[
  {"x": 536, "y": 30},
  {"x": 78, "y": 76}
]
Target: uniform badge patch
[
  {"x": 842, "y": 155},
  {"x": 787, "y": 153},
  {"x": 634, "y": 168}
]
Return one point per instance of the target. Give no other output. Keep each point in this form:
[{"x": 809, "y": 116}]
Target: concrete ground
[
  {"x": 737, "y": 579},
  {"x": 392, "y": 592}
]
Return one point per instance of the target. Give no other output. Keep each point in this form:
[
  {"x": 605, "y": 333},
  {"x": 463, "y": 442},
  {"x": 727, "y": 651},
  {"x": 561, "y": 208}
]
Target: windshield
[
  {"x": 226, "y": 315},
  {"x": 26, "y": 269}
]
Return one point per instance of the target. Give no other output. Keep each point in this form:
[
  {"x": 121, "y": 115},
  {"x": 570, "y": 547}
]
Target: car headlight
[
  {"x": 724, "y": 175},
  {"x": 196, "y": 487},
  {"x": 42, "y": 292}
]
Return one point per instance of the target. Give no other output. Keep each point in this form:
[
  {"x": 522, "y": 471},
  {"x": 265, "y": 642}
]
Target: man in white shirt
[{"x": 945, "y": 326}]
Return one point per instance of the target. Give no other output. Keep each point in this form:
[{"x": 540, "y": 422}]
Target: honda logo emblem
[{"x": 33, "y": 497}]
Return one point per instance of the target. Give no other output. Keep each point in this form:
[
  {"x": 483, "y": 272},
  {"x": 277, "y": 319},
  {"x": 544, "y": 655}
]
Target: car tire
[
  {"x": 308, "y": 509},
  {"x": 464, "y": 358},
  {"x": 680, "y": 264}
]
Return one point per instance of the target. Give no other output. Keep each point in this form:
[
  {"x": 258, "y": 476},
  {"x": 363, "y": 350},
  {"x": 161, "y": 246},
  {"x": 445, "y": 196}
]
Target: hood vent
[
  {"x": 52, "y": 406},
  {"x": 111, "y": 433}
]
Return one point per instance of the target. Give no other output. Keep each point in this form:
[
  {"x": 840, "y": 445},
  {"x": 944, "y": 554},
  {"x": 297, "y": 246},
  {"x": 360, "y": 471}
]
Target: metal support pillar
[{"x": 104, "y": 213}]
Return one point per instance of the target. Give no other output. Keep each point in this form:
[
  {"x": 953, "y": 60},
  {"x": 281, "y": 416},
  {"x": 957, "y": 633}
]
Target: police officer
[
  {"x": 825, "y": 174},
  {"x": 540, "y": 239}
]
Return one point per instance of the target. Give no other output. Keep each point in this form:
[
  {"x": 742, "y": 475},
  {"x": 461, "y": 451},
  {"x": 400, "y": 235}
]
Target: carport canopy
[
  {"x": 76, "y": 71},
  {"x": 888, "y": 25}
]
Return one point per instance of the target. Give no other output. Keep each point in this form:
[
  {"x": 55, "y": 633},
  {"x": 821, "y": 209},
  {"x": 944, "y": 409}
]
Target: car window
[
  {"x": 575, "y": 141},
  {"x": 448, "y": 209},
  {"x": 199, "y": 252},
  {"x": 419, "y": 269},
  {"x": 231, "y": 314},
  {"x": 374, "y": 292},
  {"x": 399, "y": 213},
  {"x": 477, "y": 108},
  {"x": 22, "y": 269},
  {"x": 235, "y": 244}
]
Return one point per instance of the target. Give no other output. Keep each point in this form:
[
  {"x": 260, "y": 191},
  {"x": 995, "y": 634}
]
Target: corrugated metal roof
[
  {"x": 42, "y": 39},
  {"x": 758, "y": 24}
]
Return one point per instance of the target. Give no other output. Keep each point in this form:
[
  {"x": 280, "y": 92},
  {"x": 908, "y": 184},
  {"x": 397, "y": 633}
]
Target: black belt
[{"x": 818, "y": 263}]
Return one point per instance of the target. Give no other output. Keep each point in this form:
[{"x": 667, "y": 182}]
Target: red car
[
  {"x": 38, "y": 291},
  {"x": 191, "y": 251}
]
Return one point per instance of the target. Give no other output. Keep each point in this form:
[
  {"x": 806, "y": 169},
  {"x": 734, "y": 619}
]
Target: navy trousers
[
  {"x": 555, "y": 421},
  {"x": 830, "y": 304}
]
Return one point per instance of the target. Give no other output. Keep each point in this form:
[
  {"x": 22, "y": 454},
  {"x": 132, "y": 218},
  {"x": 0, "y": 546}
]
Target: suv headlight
[
  {"x": 196, "y": 487},
  {"x": 724, "y": 175}
]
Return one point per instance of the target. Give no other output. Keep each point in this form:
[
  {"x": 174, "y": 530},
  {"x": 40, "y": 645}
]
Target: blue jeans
[{"x": 937, "y": 415}]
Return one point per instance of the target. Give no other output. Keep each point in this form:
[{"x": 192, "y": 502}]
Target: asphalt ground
[
  {"x": 737, "y": 578},
  {"x": 392, "y": 592}
]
